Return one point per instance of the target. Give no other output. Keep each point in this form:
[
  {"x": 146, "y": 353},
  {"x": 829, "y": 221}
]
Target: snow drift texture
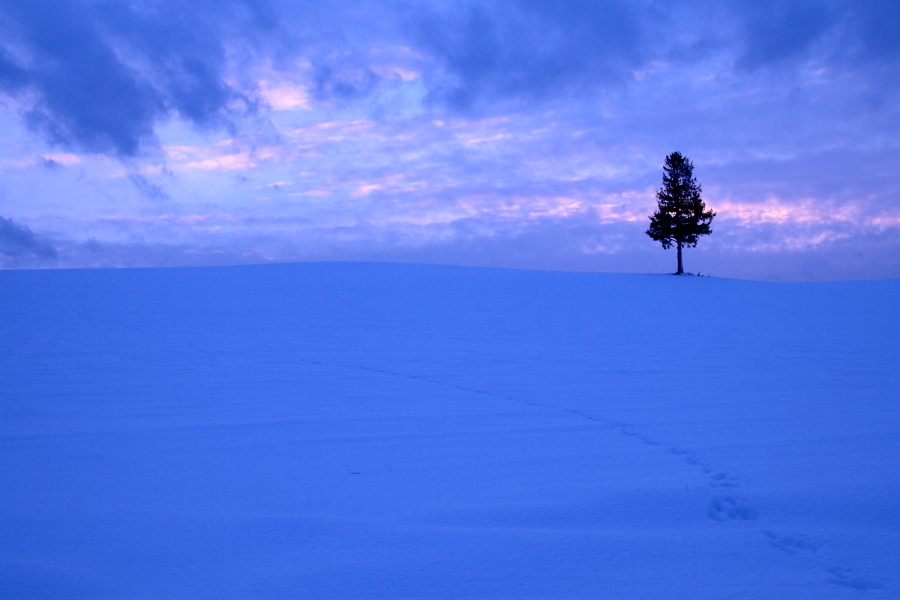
[{"x": 397, "y": 431}]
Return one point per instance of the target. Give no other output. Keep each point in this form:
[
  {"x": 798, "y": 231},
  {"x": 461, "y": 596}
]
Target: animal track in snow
[
  {"x": 725, "y": 508},
  {"x": 845, "y": 578},
  {"x": 792, "y": 543},
  {"x": 722, "y": 480},
  {"x": 803, "y": 545}
]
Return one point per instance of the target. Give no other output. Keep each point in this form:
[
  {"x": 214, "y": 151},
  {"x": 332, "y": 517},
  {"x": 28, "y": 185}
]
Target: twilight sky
[{"x": 520, "y": 133}]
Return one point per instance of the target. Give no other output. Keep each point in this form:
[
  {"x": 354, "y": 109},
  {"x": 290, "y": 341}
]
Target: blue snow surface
[{"x": 393, "y": 431}]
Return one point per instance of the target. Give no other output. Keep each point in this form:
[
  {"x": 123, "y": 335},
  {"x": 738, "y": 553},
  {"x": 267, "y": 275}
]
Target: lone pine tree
[{"x": 680, "y": 217}]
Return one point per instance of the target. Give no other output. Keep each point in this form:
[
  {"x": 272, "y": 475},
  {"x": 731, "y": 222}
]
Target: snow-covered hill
[{"x": 399, "y": 431}]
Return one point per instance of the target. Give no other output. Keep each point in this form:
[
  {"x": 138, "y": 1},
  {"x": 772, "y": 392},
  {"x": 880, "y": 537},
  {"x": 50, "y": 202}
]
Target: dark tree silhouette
[{"x": 681, "y": 217}]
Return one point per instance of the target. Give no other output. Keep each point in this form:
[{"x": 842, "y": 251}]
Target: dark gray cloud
[
  {"x": 779, "y": 30},
  {"x": 19, "y": 242},
  {"x": 342, "y": 76},
  {"x": 776, "y": 31},
  {"x": 13, "y": 78},
  {"x": 534, "y": 49},
  {"x": 105, "y": 72},
  {"x": 528, "y": 48},
  {"x": 47, "y": 163},
  {"x": 149, "y": 189},
  {"x": 875, "y": 25}
]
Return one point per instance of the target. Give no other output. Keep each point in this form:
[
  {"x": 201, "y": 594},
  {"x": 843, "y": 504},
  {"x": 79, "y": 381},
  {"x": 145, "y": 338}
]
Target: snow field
[{"x": 400, "y": 431}]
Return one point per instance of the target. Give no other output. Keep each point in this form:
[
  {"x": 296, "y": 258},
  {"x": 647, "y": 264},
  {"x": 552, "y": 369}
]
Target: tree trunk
[{"x": 680, "y": 266}]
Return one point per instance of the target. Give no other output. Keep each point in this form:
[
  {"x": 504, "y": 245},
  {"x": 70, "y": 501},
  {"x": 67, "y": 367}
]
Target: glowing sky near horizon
[{"x": 524, "y": 133}]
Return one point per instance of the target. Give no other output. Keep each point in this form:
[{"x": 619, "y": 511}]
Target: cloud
[
  {"x": 343, "y": 76},
  {"x": 284, "y": 95},
  {"x": 13, "y": 78},
  {"x": 149, "y": 189},
  {"x": 18, "y": 244},
  {"x": 97, "y": 254},
  {"x": 98, "y": 76},
  {"x": 775, "y": 32},
  {"x": 510, "y": 132},
  {"x": 779, "y": 30},
  {"x": 48, "y": 163},
  {"x": 535, "y": 50},
  {"x": 778, "y": 246},
  {"x": 875, "y": 24},
  {"x": 101, "y": 75},
  {"x": 529, "y": 49}
]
